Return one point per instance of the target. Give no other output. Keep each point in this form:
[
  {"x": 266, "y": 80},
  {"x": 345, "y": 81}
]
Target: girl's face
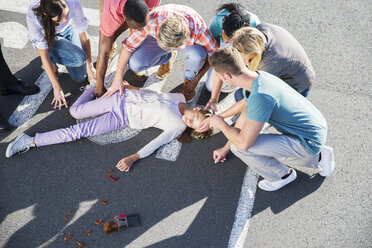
[
  {"x": 63, "y": 18},
  {"x": 193, "y": 118}
]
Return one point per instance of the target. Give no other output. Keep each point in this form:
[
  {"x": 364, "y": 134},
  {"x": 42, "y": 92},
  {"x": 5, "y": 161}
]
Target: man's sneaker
[
  {"x": 139, "y": 76},
  {"x": 20, "y": 145},
  {"x": 227, "y": 89},
  {"x": 327, "y": 162},
  {"x": 165, "y": 69},
  {"x": 272, "y": 186}
]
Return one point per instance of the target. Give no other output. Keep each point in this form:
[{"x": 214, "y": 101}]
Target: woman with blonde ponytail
[
  {"x": 58, "y": 31},
  {"x": 273, "y": 49}
]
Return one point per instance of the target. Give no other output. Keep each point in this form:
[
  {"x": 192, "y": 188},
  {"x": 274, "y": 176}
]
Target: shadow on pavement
[
  {"x": 29, "y": 74},
  {"x": 38, "y": 189},
  {"x": 279, "y": 200}
]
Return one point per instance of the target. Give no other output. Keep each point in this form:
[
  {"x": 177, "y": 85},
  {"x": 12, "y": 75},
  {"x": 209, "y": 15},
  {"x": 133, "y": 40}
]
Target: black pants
[{"x": 6, "y": 76}]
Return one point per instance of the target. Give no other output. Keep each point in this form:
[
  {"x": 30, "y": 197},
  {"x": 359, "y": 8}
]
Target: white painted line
[
  {"x": 21, "y": 6},
  {"x": 14, "y": 34},
  {"x": 27, "y": 108},
  {"x": 169, "y": 151},
  {"x": 244, "y": 210},
  {"x": 13, "y": 222},
  {"x": 84, "y": 207},
  {"x": 172, "y": 226}
]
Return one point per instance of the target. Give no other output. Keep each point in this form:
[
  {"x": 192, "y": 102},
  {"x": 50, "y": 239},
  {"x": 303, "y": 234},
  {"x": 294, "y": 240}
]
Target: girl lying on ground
[{"x": 136, "y": 108}]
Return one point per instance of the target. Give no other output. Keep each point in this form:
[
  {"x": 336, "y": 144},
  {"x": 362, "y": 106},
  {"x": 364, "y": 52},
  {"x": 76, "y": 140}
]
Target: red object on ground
[{"x": 113, "y": 178}]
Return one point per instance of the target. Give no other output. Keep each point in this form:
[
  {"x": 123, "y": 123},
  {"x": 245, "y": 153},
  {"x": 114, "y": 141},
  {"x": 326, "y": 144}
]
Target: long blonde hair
[
  {"x": 250, "y": 40},
  {"x": 173, "y": 32}
]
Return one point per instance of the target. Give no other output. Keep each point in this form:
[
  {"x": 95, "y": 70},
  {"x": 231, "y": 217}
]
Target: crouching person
[{"x": 303, "y": 127}]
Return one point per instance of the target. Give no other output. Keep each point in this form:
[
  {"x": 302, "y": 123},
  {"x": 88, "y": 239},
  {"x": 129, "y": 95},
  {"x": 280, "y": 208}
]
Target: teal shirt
[
  {"x": 272, "y": 100},
  {"x": 216, "y": 23}
]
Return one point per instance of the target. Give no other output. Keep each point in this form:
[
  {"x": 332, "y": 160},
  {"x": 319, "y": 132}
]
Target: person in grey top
[{"x": 273, "y": 49}]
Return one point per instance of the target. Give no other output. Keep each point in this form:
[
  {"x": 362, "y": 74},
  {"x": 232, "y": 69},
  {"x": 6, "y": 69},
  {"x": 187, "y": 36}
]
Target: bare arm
[
  {"x": 126, "y": 163},
  {"x": 217, "y": 85},
  {"x": 59, "y": 97},
  {"x": 245, "y": 132},
  {"x": 117, "y": 84},
  {"x": 104, "y": 47},
  {"x": 85, "y": 43},
  {"x": 233, "y": 110}
]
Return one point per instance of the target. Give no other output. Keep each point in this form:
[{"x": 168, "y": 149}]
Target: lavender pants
[{"x": 110, "y": 113}]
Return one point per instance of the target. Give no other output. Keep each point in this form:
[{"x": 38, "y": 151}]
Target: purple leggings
[{"x": 110, "y": 113}]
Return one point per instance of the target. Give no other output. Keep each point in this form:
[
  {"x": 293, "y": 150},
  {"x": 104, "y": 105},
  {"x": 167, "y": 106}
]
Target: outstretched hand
[
  {"x": 59, "y": 98},
  {"x": 211, "y": 105},
  {"x": 117, "y": 85},
  {"x": 205, "y": 125},
  {"x": 219, "y": 155},
  {"x": 126, "y": 163}
]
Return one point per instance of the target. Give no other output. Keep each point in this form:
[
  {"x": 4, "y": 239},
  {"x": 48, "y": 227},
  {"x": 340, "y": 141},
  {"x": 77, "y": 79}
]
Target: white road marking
[
  {"x": 84, "y": 208},
  {"x": 244, "y": 210},
  {"x": 162, "y": 231},
  {"x": 21, "y": 6},
  {"x": 14, "y": 34},
  {"x": 29, "y": 105},
  {"x": 15, "y": 221}
]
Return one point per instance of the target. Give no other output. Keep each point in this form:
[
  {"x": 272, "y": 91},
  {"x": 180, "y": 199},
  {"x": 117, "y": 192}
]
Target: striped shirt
[{"x": 199, "y": 32}]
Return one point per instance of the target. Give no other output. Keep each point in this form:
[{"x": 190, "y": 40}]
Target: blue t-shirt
[
  {"x": 272, "y": 100},
  {"x": 216, "y": 22}
]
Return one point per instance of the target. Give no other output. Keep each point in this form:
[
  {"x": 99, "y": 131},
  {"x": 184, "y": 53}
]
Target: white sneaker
[
  {"x": 21, "y": 144},
  {"x": 327, "y": 162},
  {"x": 272, "y": 186}
]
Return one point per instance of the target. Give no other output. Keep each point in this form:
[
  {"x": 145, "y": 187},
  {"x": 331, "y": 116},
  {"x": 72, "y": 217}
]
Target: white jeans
[{"x": 271, "y": 153}]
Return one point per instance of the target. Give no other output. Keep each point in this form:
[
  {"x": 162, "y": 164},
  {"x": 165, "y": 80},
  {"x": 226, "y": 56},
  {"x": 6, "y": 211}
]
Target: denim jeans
[
  {"x": 67, "y": 51},
  {"x": 149, "y": 54}
]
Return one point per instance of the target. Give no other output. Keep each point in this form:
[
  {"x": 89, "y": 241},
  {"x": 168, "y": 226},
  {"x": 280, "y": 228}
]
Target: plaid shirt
[{"x": 199, "y": 32}]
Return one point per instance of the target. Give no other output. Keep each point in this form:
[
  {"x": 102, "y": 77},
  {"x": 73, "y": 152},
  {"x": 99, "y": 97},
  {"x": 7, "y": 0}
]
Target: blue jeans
[
  {"x": 149, "y": 54},
  {"x": 239, "y": 94},
  {"x": 67, "y": 51}
]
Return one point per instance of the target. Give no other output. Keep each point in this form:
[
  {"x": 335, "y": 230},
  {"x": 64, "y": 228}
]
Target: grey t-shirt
[{"x": 285, "y": 58}]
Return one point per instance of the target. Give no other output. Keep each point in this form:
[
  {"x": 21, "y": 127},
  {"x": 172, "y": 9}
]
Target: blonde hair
[
  {"x": 227, "y": 59},
  {"x": 250, "y": 40},
  {"x": 173, "y": 32},
  {"x": 206, "y": 134}
]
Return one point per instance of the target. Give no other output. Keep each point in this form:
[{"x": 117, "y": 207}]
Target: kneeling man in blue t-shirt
[{"x": 271, "y": 100}]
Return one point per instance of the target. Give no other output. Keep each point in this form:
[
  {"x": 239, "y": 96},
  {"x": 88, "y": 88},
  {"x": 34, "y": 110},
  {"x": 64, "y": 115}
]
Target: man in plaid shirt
[{"x": 170, "y": 27}]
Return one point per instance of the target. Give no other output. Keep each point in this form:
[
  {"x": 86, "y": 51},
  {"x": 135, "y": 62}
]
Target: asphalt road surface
[{"x": 184, "y": 200}]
